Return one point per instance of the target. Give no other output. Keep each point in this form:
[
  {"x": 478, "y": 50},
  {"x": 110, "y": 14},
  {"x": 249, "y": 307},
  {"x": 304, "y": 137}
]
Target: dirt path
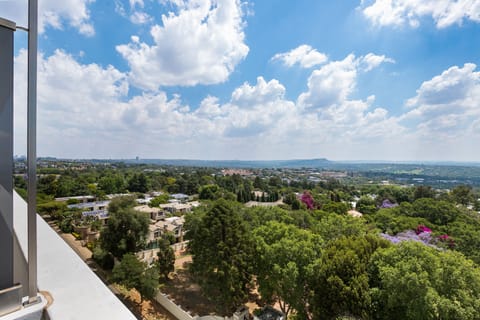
[{"x": 77, "y": 246}]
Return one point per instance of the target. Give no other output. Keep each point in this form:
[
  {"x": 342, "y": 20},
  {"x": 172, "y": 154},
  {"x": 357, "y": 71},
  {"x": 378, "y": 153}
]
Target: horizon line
[{"x": 258, "y": 160}]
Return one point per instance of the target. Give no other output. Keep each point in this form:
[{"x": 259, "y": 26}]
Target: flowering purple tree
[
  {"x": 308, "y": 200},
  {"x": 388, "y": 204},
  {"x": 421, "y": 234}
]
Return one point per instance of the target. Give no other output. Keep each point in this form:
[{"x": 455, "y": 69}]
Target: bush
[
  {"x": 73, "y": 201},
  {"x": 66, "y": 225},
  {"x": 103, "y": 258},
  {"x": 90, "y": 246}
]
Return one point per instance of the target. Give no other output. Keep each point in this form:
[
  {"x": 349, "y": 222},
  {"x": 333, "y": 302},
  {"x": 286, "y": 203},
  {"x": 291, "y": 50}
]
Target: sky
[{"x": 253, "y": 80}]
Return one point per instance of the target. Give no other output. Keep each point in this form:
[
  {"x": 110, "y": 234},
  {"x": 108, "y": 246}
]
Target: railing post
[{"x": 32, "y": 148}]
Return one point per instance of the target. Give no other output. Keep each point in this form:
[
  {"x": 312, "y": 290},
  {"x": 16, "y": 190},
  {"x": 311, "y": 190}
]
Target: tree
[
  {"x": 462, "y": 194},
  {"x": 283, "y": 255},
  {"x": 414, "y": 281},
  {"x": 392, "y": 221},
  {"x": 208, "y": 192},
  {"x": 47, "y": 184},
  {"x": 52, "y": 208},
  {"x": 333, "y": 226},
  {"x": 423, "y": 192},
  {"x": 103, "y": 258},
  {"x": 366, "y": 205},
  {"x": 129, "y": 271},
  {"x": 126, "y": 229},
  {"x": 222, "y": 251},
  {"x": 133, "y": 273},
  {"x": 437, "y": 212},
  {"x": 166, "y": 258},
  {"x": 112, "y": 183},
  {"x": 258, "y": 183},
  {"x": 307, "y": 199},
  {"x": 214, "y": 192},
  {"x": 289, "y": 198},
  {"x": 157, "y": 201},
  {"x": 336, "y": 207},
  {"x": 340, "y": 279},
  {"x": 138, "y": 183},
  {"x": 275, "y": 181},
  {"x": 466, "y": 232}
]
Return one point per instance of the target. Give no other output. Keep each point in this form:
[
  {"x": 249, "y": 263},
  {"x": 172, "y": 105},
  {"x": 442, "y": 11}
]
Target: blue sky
[{"x": 269, "y": 79}]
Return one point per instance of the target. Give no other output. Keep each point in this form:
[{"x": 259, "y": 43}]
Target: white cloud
[
  {"x": 447, "y": 105},
  {"x": 86, "y": 111},
  {"x": 51, "y": 13},
  {"x": 304, "y": 55},
  {"x": 263, "y": 92},
  {"x": 400, "y": 12},
  {"x": 371, "y": 61},
  {"x": 331, "y": 83},
  {"x": 200, "y": 44},
  {"x": 134, "y": 3},
  {"x": 139, "y": 17},
  {"x": 334, "y": 82}
]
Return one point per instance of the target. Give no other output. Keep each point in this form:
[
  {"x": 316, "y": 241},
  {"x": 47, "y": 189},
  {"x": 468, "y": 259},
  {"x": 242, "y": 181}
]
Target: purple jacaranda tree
[
  {"x": 387, "y": 204},
  {"x": 308, "y": 200}
]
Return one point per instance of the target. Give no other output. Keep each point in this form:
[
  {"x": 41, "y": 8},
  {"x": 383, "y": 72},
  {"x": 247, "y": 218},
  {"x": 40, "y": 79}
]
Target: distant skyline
[{"x": 253, "y": 80}]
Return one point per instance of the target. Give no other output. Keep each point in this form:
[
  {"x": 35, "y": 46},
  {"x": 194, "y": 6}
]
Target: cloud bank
[
  {"x": 201, "y": 43},
  {"x": 444, "y": 13}
]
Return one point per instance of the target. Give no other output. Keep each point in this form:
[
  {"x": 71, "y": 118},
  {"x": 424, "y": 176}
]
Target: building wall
[{"x": 171, "y": 307}]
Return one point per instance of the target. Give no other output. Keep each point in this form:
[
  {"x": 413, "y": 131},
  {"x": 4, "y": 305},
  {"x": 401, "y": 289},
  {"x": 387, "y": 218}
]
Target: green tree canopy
[
  {"x": 283, "y": 255},
  {"x": 332, "y": 226},
  {"x": 138, "y": 182},
  {"x": 462, "y": 194},
  {"x": 133, "y": 273},
  {"x": 437, "y": 212},
  {"x": 340, "y": 278},
  {"x": 165, "y": 258},
  {"x": 222, "y": 251},
  {"x": 414, "y": 281},
  {"x": 112, "y": 183},
  {"x": 158, "y": 200},
  {"x": 423, "y": 192},
  {"x": 126, "y": 229}
]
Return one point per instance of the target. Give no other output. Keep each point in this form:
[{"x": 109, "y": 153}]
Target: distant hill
[{"x": 298, "y": 163}]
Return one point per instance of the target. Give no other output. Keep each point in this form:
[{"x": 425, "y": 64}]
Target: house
[
  {"x": 180, "y": 196},
  {"x": 154, "y": 213},
  {"x": 80, "y": 199},
  {"x": 176, "y": 207},
  {"x": 172, "y": 225},
  {"x": 97, "y": 209},
  {"x": 90, "y": 206},
  {"x": 145, "y": 200}
]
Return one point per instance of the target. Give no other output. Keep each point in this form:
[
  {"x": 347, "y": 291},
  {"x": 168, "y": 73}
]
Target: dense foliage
[
  {"x": 412, "y": 255},
  {"x": 133, "y": 273},
  {"x": 222, "y": 250},
  {"x": 126, "y": 229}
]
